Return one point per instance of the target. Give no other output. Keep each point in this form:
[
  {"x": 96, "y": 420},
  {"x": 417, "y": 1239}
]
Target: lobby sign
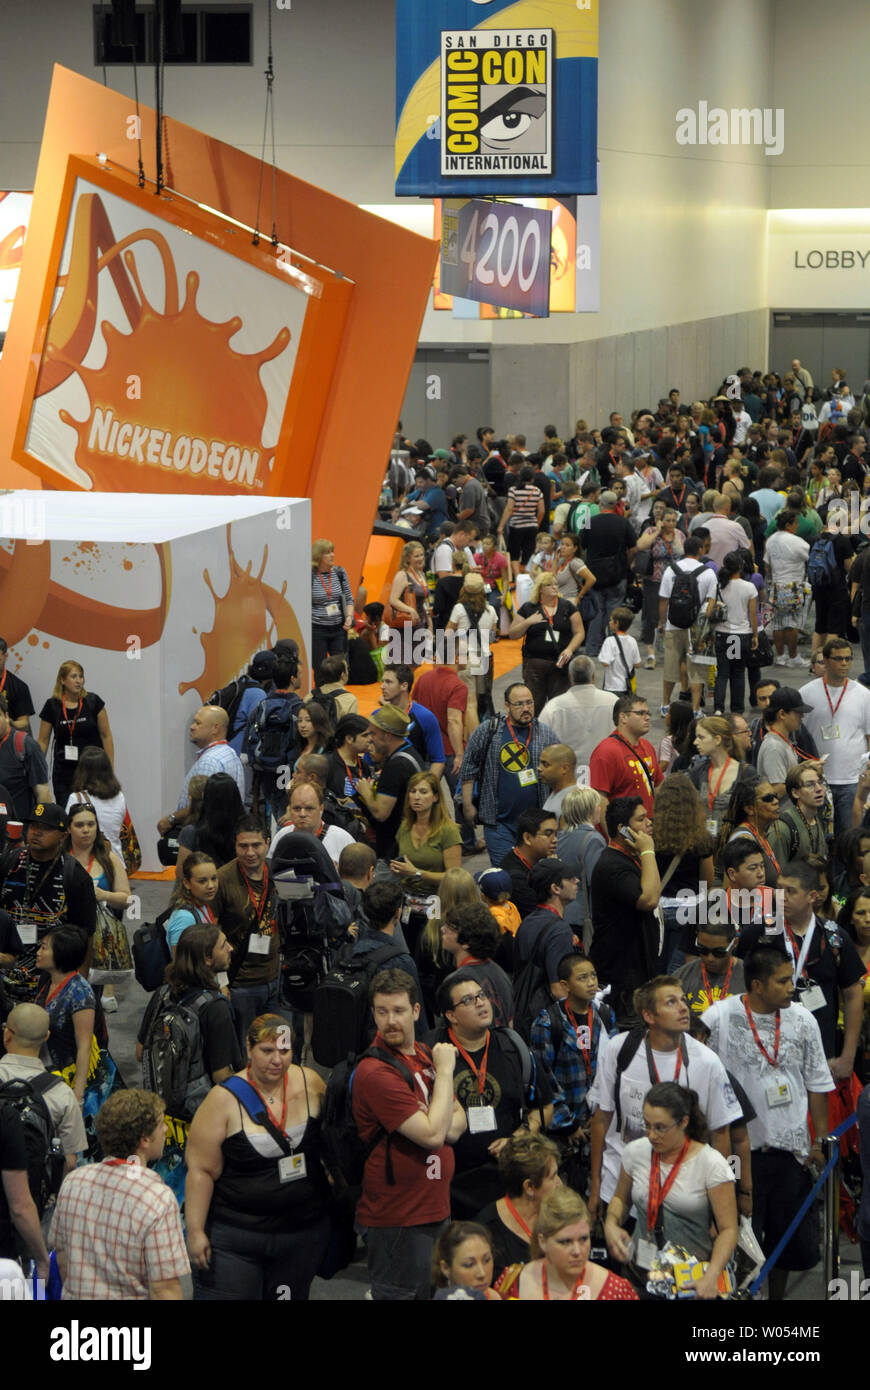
[
  {"x": 822, "y": 268},
  {"x": 505, "y": 103}
]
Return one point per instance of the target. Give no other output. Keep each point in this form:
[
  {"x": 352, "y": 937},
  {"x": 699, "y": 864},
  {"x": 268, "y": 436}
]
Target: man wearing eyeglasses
[
  {"x": 496, "y": 1082},
  {"x": 839, "y": 723},
  {"x": 499, "y": 771},
  {"x": 625, "y": 763},
  {"x": 715, "y": 972}
]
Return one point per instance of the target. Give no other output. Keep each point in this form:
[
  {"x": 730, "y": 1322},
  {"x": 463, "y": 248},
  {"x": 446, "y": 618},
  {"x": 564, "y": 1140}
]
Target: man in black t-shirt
[
  {"x": 609, "y": 544},
  {"x": 16, "y": 692},
  {"x": 384, "y": 794},
  {"x": 624, "y": 890},
  {"x": 41, "y": 887},
  {"x": 23, "y": 769},
  {"x": 488, "y": 1082},
  {"x": 18, "y": 1215}
]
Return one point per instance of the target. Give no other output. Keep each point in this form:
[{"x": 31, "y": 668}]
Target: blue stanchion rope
[{"x": 803, "y": 1209}]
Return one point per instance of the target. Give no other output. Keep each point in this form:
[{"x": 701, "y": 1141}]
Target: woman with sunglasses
[
  {"x": 679, "y": 1186},
  {"x": 801, "y": 831},
  {"x": 753, "y": 810}
]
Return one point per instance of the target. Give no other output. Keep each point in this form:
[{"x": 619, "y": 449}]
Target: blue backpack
[
  {"x": 822, "y": 567},
  {"x": 271, "y": 730}
]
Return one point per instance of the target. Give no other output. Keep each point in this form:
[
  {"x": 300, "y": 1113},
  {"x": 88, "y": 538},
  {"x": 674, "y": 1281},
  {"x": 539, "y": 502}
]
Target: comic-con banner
[{"x": 496, "y": 97}]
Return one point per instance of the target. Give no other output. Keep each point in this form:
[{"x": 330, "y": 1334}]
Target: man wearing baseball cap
[
  {"x": 383, "y": 794},
  {"x": 42, "y": 887},
  {"x": 778, "y": 753}
]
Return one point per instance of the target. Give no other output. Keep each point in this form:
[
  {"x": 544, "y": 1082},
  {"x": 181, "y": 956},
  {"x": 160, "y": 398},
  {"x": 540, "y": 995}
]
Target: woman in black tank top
[{"x": 257, "y": 1197}]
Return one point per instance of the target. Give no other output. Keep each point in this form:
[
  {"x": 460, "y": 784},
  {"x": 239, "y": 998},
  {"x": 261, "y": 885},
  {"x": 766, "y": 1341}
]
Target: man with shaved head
[
  {"x": 24, "y": 1033},
  {"x": 557, "y": 769},
  {"x": 208, "y": 732}
]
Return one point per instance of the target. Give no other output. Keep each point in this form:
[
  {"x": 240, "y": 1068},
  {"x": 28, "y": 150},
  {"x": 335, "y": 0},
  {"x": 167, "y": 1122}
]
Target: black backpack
[
  {"x": 151, "y": 953},
  {"x": 327, "y": 702},
  {"x": 344, "y": 1153},
  {"x": 684, "y": 604},
  {"x": 45, "y": 1156},
  {"x": 630, "y": 1045},
  {"x": 531, "y": 990},
  {"x": 271, "y": 730},
  {"x": 229, "y": 697},
  {"x": 173, "y": 1065},
  {"x": 343, "y": 1021}
]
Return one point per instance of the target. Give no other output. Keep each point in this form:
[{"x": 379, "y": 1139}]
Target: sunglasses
[
  {"x": 769, "y": 796},
  {"x": 717, "y": 952}
]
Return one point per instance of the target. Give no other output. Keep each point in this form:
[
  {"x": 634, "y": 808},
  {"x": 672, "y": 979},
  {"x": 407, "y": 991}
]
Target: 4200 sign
[{"x": 496, "y": 253}]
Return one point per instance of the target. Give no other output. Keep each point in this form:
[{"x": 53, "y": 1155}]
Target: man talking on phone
[{"x": 625, "y": 888}]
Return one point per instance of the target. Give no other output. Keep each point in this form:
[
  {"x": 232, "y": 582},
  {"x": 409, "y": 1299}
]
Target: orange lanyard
[
  {"x": 714, "y": 792},
  {"x": 759, "y": 839},
  {"x": 516, "y": 1216},
  {"x": 258, "y": 904},
  {"x": 575, "y": 1292},
  {"x": 480, "y": 1076},
  {"x": 724, "y": 990},
  {"x": 323, "y": 582},
  {"x": 255, "y": 1087},
  {"x": 63, "y": 984},
  {"x": 758, "y": 1043},
  {"x": 72, "y": 726},
  {"x": 833, "y": 708},
  {"x": 514, "y": 733},
  {"x": 657, "y": 1193},
  {"x": 587, "y": 1055}
]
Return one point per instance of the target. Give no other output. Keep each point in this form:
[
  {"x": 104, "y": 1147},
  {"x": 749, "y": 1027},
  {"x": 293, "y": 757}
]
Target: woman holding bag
[
  {"x": 659, "y": 545},
  {"x": 409, "y": 595},
  {"x": 91, "y": 848}
]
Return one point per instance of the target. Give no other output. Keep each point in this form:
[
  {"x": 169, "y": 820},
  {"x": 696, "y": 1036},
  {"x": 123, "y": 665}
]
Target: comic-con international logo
[{"x": 497, "y": 101}]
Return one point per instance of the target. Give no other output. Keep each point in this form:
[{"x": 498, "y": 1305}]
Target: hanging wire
[
  {"x": 138, "y": 119},
  {"x": 159, "y": 74},
  {"x": 268, "y": 118}
]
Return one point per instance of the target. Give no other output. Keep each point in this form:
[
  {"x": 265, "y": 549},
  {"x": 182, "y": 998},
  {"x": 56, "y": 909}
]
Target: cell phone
[{"x": 627, "y": 834}]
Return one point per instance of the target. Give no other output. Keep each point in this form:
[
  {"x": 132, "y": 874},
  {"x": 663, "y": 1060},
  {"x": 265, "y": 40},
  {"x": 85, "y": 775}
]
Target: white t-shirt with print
[
  {"x": 705, "y": 1074},
  {"x": 800, "y": 1061}
]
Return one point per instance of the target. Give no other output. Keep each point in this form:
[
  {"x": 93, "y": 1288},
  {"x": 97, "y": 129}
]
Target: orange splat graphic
[
  {"x": 33, "y": 640},
  {"x": 248, "y": 617}
]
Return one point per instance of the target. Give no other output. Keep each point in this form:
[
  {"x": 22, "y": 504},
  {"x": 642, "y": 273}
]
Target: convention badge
[
  {"x": 777, "y": 1093},
  {"x": 258, "y": 944},
  {"x": 830, "y": 731},
  {"x": 528, "y": 777},
  {"x": 646, "y": 1253},
  {"x": 291, "y": 1168},
  {"x": 712, "y": 826},
  {"x": 26, "y": 933},
  {"x": 481, "y": 1119},
  {"x": 812, "y": 998},
  {"x": 333, "y": 610},
  {"x": 71, "y": 753}
]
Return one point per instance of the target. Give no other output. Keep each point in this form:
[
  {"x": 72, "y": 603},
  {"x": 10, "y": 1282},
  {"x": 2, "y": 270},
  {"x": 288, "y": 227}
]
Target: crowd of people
[{"x": 576, "y": 1074}]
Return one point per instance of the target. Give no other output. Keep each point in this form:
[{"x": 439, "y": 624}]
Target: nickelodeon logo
[{"x": 160, "y": 448}]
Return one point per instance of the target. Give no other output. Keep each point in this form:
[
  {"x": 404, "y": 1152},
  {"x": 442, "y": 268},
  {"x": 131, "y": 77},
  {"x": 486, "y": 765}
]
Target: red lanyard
[
  {"x": 3, "y": 681},
  {"x": 117, "y": 1162},
  {"x": 677, "y": 1069},
  {"x": 714, "y": 792},
  {"x": 523, "y": 860},
  {"x": 253, "y": 1083},
  {"x": 657, "y": 1193},
  {"x": 259, "y": 905},
  {"x": 795, "y": 952},
  {"x": 63, "y": 984},
  {"x": 611, "y": 844},
  {"x": 480, "y": 1075},
  {"x": 759, "y": 1044},
  {"x": 514, "y": 733},
  {"x": 208, "y": 916},
  {"x": 214, "y": 744},
  {"x": 724, "y": 990},
  {"x": 575, "y": 1292},
  {"x": 516, "y": 1216},
  {"x": 678, "y": 501},
  {"x": 72, "y": 726},
  {"x": 587, "y": 1056},
  {"x": 759, "y": 838},
  {"x": 834, "y": 708},
  {"x": 323, "y": 582}
]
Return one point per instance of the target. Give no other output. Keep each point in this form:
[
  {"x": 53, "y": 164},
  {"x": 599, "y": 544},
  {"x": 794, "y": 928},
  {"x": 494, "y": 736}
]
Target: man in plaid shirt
[
  {"x": 116, "y": 1227},
  {"x": 566, "y": 1038}
]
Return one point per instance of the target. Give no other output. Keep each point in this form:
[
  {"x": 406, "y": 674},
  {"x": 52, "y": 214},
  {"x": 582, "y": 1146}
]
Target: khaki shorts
[{"x": 676, "y": 645}]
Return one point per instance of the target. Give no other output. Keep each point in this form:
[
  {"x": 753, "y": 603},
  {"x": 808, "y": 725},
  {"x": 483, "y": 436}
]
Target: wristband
[{"x": 646, "y": 851}]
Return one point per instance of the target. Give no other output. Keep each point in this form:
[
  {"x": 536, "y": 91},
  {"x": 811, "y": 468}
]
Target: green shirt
[{"x": 427, "y": 856}]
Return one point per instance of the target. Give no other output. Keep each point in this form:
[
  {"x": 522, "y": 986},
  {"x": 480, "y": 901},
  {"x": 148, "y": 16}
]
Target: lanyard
[
  {"x": 575, "y": 1292},
  {"x": 658, "y": 1193},
  {"x": 799, "y": 958},
  {"x": 638, "y": 759},
  {"x": 3, "y": 681},
  {"x": 724, "y": 990},
  {"x": 118, "y": 1162},
  {"x": 758, "y": 1043},
  {"x": 214, "y": 744},
  {"x": 480, "y": 1076},
  {"x": 682, "y": 1056},
  {"x": 259, "y": 906},
  {"x": 516, "y": 1216},
  {"x": 252, "y": 1082},
  {"x": 713, "y": 792},
  {"x": 63, "y": 984},
  {"x": 587, "y": 1055},
  {"x": 523, "y": 860},
  {"x": 72, "y": 726},
  {"x": 327, "y": 588},
  {"x": 679, "y": 500},
  {"x": 514, "y": 734},
  {"x": 759, "y": 839},
  {"x": 833, "y": 708},
  {"x": 204, "y": 912}
]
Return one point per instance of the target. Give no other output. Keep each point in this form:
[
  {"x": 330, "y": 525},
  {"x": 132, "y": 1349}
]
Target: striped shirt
[
  {"x": 332, "y": 588},
  {"x": 525, "y": 500}
]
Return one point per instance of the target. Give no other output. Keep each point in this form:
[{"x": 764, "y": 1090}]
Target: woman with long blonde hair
[
  {"x": 409, "y": 595},
  {"x": 76, "y": 718}
]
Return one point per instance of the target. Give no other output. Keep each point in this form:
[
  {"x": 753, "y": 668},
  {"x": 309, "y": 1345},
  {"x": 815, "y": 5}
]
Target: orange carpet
[{"x": 506, "y": 655}]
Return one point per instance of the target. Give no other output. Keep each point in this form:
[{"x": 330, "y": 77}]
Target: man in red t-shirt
[
  {"x": 442, "y": 692},
  {"x": 405, "y": 1101},
  {"x": 625, "y": 763}
]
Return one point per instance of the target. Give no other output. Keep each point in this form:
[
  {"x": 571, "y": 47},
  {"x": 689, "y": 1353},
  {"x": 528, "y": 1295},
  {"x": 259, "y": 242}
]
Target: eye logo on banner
[
  {"x": 497, "y": 102},
  {"x": 496, "y": 99}
]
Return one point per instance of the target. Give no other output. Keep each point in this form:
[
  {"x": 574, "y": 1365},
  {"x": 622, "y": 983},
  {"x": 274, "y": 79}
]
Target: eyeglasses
[
  {"x": 814, "y": 783},
  {"x": 469, "y": 999},
  {"x": 659, "y": 1129},
  {"x": 717, "y": 952},
  {"x": 521, "y": 704}
]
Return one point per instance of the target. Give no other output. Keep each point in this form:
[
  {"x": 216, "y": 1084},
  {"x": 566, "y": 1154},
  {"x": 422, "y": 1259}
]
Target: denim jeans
[
  {"x": 263, "y": 1266},
  {"x": 249, "y": 1001},
  {"x": 399, "y": 1261},
  {"x": 843, "y": 797},
  {"x": 451, "y": 777},
  {"x": 500, "y": 839},
  {"x": 602, "y": 603},
  {"x": 673, "y": 955}
]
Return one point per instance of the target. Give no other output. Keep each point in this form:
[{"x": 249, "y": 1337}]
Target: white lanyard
[{"x": 799, "y": 968}]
